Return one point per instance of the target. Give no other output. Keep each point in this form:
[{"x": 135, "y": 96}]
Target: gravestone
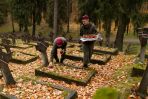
[
  {"x": 13, "y": 37},
  {"x": 6, "y": 43},
  {"x": 143, "y": 36},
  {"x": 143, "y": 88},
  {"x": 42, "y": 47},
  {"x": 4, "y": 60},
  {"x": 26, "y": 37}
]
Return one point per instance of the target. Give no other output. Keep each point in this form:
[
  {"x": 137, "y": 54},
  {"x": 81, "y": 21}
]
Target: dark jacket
[
  {"x": 54, "y": 50},
  {"x": 88, "y": 29}
]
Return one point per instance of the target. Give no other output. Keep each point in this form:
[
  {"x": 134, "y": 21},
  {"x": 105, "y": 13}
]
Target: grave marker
[
  {"x": 42, "y": 47},
  {"x": 4, "y": 60}
]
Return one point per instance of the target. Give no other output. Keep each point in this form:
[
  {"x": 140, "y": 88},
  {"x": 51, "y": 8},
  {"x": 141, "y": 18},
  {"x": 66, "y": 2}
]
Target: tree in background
[
  {"x": 22, "y": 13},
  {"x": 89, "y": 7},
  {"x": 125, "y": 9},
  {"x": 28, "y": 12},
  {"x": 107, "y": 14},
  {"x": 59, "y": 10},
  {"x": 39, "y": 7},
  {"x": 55, "y": 18},
  {"x": 3, "y": 11}
]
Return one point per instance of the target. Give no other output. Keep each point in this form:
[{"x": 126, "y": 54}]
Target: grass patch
[
  {"x": 106, "y": 93},
  {"x": 125, "y": 82},
  {"x": 140, "y": 66}
]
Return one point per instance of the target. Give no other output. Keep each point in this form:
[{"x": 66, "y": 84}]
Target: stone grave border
[
  {"x": 18, "y": 61},
  {"x": 56, "y": 76},
  {"x": 72, "y": 94},
  {"x": 94, "y": 61},
  {"x": 114, "y": 52}
]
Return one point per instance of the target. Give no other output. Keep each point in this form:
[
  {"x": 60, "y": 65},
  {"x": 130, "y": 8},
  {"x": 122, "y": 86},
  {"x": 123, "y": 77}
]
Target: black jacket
[{"x": 88, "y": 29}]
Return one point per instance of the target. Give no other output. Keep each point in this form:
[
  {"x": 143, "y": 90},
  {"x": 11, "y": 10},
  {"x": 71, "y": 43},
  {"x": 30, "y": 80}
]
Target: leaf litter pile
[{"x": 103, "y": 78}]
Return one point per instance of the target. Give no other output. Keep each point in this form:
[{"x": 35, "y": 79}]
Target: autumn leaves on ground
[{"x": 114, "y": 74}]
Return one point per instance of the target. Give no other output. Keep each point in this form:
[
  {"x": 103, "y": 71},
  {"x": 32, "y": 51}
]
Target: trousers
[{"x": 88, "y": 51}]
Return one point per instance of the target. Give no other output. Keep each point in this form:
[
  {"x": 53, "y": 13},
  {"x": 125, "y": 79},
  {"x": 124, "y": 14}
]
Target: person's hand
[
  {"x": 61, "y": 52},
  {"x": 51, "y": 63}
]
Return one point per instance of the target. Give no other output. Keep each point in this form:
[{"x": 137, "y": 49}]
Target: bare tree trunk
[
  {"x": 116, "y": 24},
  {"x": 13, "y": 29},
  {"x": 68, "y": 15},
  {"x": 99, "y": 23},
  {"x": 120, "y": 33},
  {"x": 26, "y": 28},
  {"x": 20, "y": 27},
  {"x": 127, "y": 27},
  {"x": 108, "y": 32},
  {"x": 55, "y": 19},
  {"x": 34, "y": 23}
]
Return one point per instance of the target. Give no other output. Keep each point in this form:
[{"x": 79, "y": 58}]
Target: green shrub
[{"x": 106, "y": 93}]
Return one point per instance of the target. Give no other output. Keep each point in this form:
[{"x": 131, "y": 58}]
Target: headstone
[
  {"x": 143, "y": 88},
  {"x": 26, "y": 37},
  {"x": 6, "y": 43},
  {"x": 4, "y": 60},
  {"x": 42, "y": 47},
  {"x": 13, "y": 37},
  {"x": 143, "y": 35}
]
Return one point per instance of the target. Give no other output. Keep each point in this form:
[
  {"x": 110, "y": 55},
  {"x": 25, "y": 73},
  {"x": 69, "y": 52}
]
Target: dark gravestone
[
  {"x": 143, "y": 88},
  {"x": 145, "y": 32},
  {"x": 4, "y": 60},
  {"x": 42, "y": 47},
  {"x": 26, "y": 37},
  {"x": 13, "y": 37},
  {"x": 6, "y": 43},
  {"x": 143, "y": 35}
]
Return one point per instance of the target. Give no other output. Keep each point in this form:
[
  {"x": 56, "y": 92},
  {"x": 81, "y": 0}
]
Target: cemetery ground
[{"x": 116, "y": 74}]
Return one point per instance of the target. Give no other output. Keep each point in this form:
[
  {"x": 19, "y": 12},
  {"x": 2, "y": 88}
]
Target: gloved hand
[
  {"x": 61, "y": 52},
  {"x": 51, "y": 63}
]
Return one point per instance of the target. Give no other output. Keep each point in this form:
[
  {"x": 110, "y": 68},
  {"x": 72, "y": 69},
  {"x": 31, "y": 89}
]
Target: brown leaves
[
  {"x": 67, "y": 71},
  {"x": 103, "y": 78}
]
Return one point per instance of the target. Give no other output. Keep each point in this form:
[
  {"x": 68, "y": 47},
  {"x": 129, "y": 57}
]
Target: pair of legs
[
  {"x": 62, "y": 57},
  {"x": 88, "y": 51}
]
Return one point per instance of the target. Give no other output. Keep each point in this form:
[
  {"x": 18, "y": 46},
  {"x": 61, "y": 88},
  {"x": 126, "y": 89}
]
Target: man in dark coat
[
  {"x": 59, "y": 42},
  {"x": 87, "y": 30}
]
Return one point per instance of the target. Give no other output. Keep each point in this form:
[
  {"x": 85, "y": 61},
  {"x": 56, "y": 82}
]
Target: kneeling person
[{"x": 59, "y": 42}]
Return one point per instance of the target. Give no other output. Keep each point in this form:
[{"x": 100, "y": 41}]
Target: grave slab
[{"x": 67, "y": 73}]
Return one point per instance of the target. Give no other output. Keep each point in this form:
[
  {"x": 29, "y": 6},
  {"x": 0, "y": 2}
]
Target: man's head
[
  {"x": 85, "y": 20},
  {"x": 59, "y": 42}
]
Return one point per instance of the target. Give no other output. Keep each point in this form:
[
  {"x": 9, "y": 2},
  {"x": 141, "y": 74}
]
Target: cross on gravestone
[
  {"x": 143, "y": 88},
  {"x": 42, "y": 47},
  {"x": 143, "y": 36},
  {"x": 4, "y": 60}
]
